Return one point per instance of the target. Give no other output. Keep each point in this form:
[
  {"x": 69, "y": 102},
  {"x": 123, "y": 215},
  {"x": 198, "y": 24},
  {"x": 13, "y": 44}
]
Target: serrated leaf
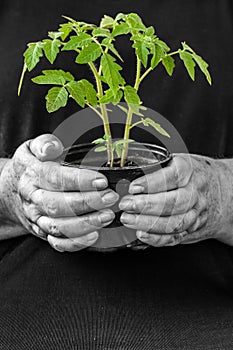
[
  {"x": 77, "y": 41},
  {"x": 33, "y": 54},
  {"x": 53, "y": 76},
  {"x": 120, "y": 16},
  {"x": 107, "y": 43},
  {"x": 119, "y": 29},
  {"x": 156, "y": 126},
  {"x": 65, "y": 29},
  {"x": 89, "y": 53},
  {"x": 169, "y": 64},
  {"x": 189, "y": 63},
  {"x": 51, "y": 49},
  {"x": 75, "y": 89},
  {"x": 107, "y": 22},
  {"x": 100, "y": 149},
  {"x": 54, "y": 35},
  {"x": 135, "y": 21},
  {"x": 141, "y": 51},
  {"x": 89, "y": 92},
  {"x": 158, "y": 54},
  {"x": 56, "y": 98},
  {"x": 187, "y": 47},
  {"x": 101, "y": 32},
  {"x": 131, "y": 96},
  {"x": 203, "y": 65},
  {"x": 111, "y": 72},
  {"x": 110, "y": 97},
  {"x": 161, "y": 44}
]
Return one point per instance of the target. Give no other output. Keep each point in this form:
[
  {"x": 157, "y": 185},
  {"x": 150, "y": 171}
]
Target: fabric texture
[{"x": 165, "y": 298}]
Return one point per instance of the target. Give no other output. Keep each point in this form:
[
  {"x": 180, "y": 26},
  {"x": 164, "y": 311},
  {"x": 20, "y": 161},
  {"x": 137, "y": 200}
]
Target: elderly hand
[
  {"x": 62, "y": 204},
  {"x": 188, "y": 201}
]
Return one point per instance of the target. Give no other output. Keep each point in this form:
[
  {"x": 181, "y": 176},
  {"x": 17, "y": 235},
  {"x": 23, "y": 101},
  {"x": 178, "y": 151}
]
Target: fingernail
[
  {"x": 135, "y": 189},
  {"x": 58, "y": 248},
  {"x": 47, "y": 145},
  {"x": 127, "y": 219},
  {"x": 127, "y": 204},
  {"x": 142, "y": 235},
  {"x": 110, "y": 197},
  {"x": 92, "y": 236},
  {"x": 99, "y": 183},
  {"x": 106, "y": 216}
]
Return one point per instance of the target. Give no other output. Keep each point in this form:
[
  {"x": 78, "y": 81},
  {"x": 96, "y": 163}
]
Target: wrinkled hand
[
  {"x": 185, "y": 202},
  {"x": 62, "y": 204}
]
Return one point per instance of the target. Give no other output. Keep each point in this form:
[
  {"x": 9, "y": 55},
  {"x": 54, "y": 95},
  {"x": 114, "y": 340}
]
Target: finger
[
  {"x": 72, "y": 244},
  {"x": 62, "y": 204},
  {"x": 46, "y": 147},
  {"x": 165, "y": 203},
  {"x": 176, "y": 174},
  {"x": 166, "y": 225},
  {"x": 53, "y": 176},
  {"x": 71, "y": 227},
  {"x": 156, "y": 240}
]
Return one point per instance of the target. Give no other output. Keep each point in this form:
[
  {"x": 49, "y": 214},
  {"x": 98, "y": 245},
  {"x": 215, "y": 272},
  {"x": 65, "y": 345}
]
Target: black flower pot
[{"x": 142, "y": 159}]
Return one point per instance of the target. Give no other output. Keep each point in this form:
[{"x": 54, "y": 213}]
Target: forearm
[{"x": 8, "y": 228}]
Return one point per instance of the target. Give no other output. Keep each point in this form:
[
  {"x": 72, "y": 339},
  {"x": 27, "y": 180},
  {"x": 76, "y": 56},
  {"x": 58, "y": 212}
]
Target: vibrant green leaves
[
  {"x": 77, "y": 41},
  {"x": 56, "y": 98},
  {"x": 111, "y": 72},
  {"x": 169, "y": 64},
  {"x": 54, "y": 77},
  {"x": 203, "y": 65},
  {"x": 89, "y": 53},
  {"x": 119, "y": 29},
  {"x": 101, "y": 32},
  {"x": 148, "y": 121},
  {"x": 110, "y": 97},
  {"x": 89, "y": 92},
  {"x": 141, "y": 51},
  {"x": 65, "y": 29},
  {"x": 51, "y": 49},
  {"x": 33, "y": 54},
  {"x": 189, "y": 63},
  {"x": 131, "y": 96},
  {"x": 158, "y": 54},
  {"x": 75, "y": 89},
  {"x": 107, "y": 22}
]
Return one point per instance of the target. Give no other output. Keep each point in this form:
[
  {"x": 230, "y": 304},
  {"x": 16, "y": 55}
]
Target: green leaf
[
  {"x": 141, "y": 51},
  {"x": 169, "y": 64},
  {"x": 203, "y": 65},
  {"x": 131, "y": 96},
  {"x": 54, "y": 35},
  {"x": 56, "y": 98},
  {"x": 119, "y": 29},
  {"x": 135, "y": 21},
  {"x": 187, "y": 47},
  {"x": 98, "y": 141},
  {"x": 150, "y": 31},
  {"x": 65, "y": 29},
  {"x": 75, "y": 89},
  {"x": 106, "y": 137},
  {"x": 53, "y": 76},
  {"x": 101, "y": 32},
  {"x": 89, "y": 53},
  {"x": 161, "y": 44},
  {"x": 107, "y": 22},
  {"x": 89, "y": 92},
  {"x": 33, "y": 54},
  {"x": 120, "y": 16},
  {"x": 100, "y": 149},
  {"x": 107, "y": 43},
  {"x": 189, "y": 63},
  {"x": 110, "y": 97},
  {"x": 51, "y": 49},
  {"x": 158, "y": 54},
  {"x": 156, "y": 126},
  {"x": 77, "y": 41},
  {"x": 111, "y": 72}
]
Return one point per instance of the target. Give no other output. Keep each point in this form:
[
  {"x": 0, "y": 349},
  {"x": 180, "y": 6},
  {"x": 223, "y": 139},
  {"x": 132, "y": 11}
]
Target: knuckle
[{"x": 30, "y": 211}]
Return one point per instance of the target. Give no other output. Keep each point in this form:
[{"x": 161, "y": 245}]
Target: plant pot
[{"x": 143, "y": 158}]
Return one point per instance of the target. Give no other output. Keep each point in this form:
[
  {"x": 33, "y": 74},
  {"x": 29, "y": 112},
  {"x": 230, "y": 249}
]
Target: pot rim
[{"x": 151, "y": 147}]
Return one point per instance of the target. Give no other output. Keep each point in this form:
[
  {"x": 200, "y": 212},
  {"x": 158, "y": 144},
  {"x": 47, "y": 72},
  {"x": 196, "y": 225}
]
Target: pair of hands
[{"x": 181, "y": 203}]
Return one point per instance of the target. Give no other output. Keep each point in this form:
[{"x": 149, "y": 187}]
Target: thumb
[{"x": 46, "y": 147}]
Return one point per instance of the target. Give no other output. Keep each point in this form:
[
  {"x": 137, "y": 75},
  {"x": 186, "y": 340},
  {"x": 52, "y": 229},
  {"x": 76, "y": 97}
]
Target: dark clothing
[{"x": 161, "y": 298}]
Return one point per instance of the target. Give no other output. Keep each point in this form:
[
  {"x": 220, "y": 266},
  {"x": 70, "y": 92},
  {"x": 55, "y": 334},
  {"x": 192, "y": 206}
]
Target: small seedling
[{"x": 94, "y": 45}]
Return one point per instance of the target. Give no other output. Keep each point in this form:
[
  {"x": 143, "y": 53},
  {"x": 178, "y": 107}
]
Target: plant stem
[
  {"x": 130, "y": 115},
  {"x": 104, "y": 114}
]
